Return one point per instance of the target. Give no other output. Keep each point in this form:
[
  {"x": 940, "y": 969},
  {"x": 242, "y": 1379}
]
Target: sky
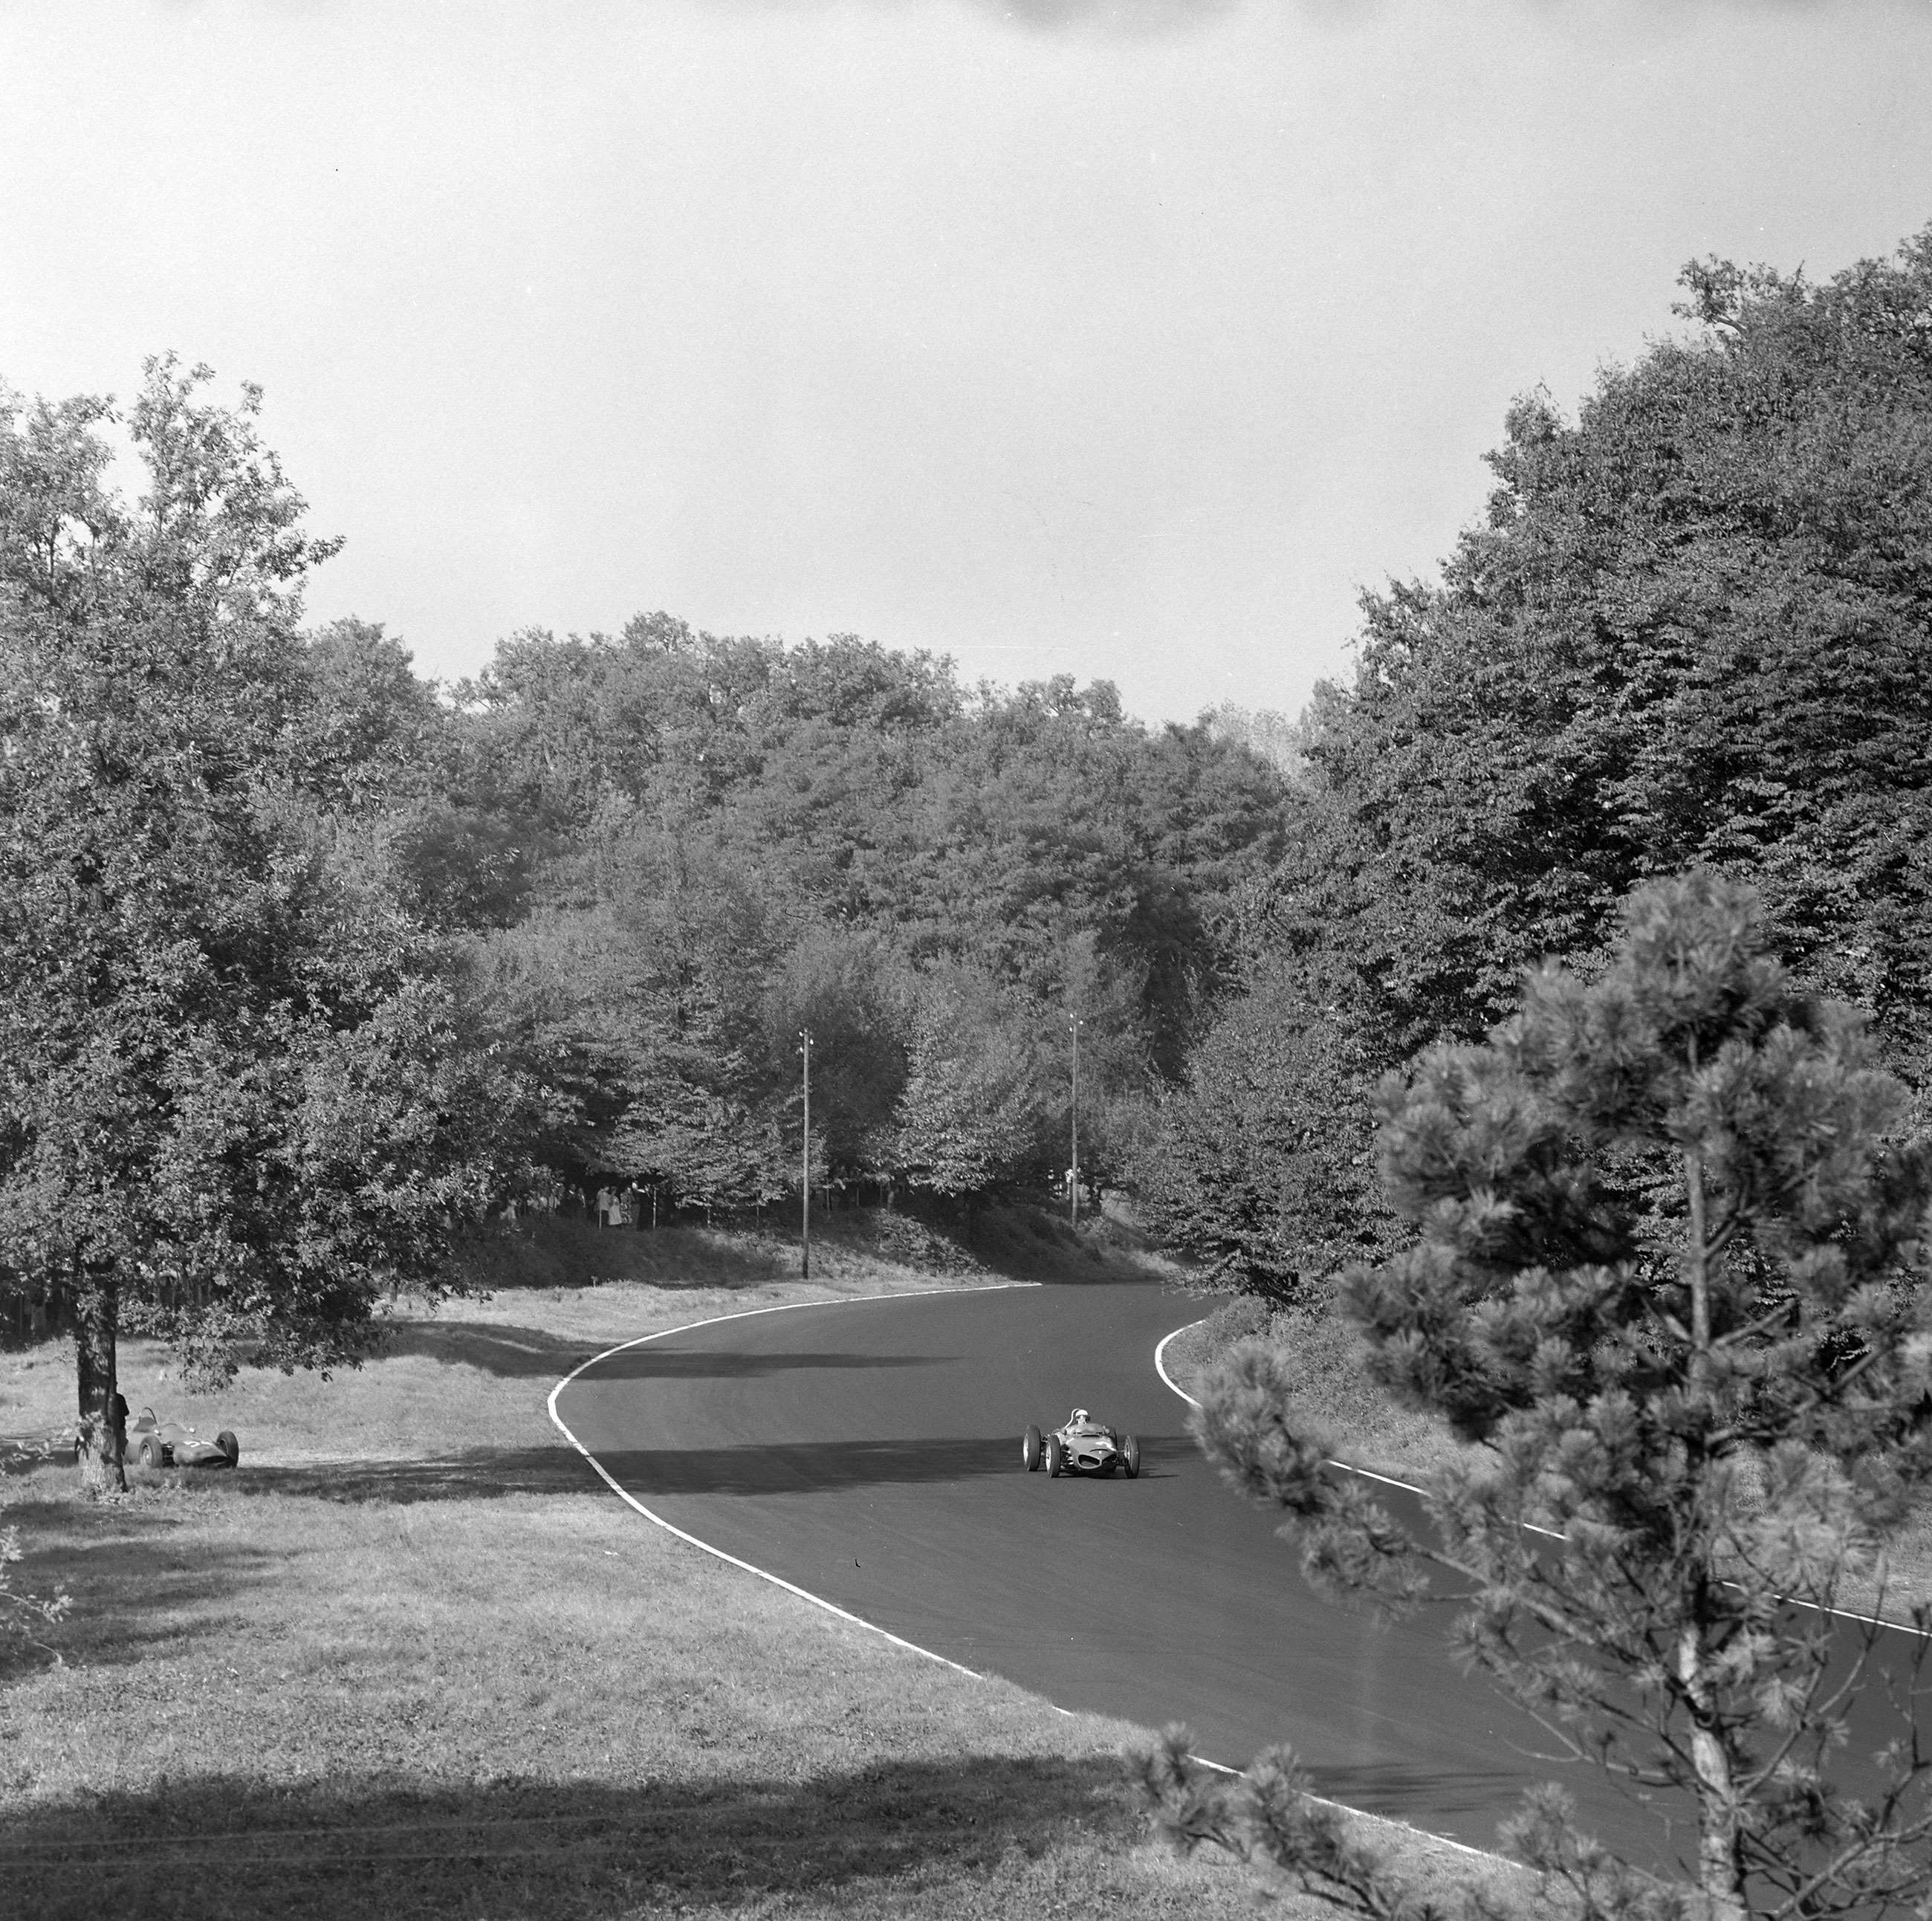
[{"x": 1129, "y": 339}]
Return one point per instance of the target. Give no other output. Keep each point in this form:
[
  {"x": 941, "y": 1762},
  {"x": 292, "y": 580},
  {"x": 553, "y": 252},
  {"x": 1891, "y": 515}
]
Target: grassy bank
[
  {"x": 411, "y": 1658},
  {"x": 863, "y": 1247},
  {"x": 1335, "y": 1400}
]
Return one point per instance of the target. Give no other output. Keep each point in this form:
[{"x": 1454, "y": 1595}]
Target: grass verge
[
  {"x": 411, "y": 1658},
  {"x": 1335, "y": 1401},
  {"x": 1333, "y": 1397}
]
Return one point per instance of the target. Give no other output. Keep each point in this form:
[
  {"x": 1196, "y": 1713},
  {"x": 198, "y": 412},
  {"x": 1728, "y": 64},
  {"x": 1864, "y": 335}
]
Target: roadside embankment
[{"x": 1338, "y": 1403}]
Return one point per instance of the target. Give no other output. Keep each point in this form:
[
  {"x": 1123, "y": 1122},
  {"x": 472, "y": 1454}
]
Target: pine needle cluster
[{"x": 1666, "y": 1272}]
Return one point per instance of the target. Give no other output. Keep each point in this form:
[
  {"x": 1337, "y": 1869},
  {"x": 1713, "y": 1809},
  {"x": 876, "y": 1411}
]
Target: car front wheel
[
  {"x": 1056, "y": 1456},
  {"x": 229, "y": 1446},
  {"x": 1130, "y": 1456}
]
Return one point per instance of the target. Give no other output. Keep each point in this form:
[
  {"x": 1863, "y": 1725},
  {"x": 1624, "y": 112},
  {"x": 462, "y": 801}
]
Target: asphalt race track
[{"x": 869, "y": 1453}]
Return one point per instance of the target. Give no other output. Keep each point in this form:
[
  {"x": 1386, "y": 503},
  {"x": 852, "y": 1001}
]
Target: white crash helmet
[{"x": 1080, "y": 1418}]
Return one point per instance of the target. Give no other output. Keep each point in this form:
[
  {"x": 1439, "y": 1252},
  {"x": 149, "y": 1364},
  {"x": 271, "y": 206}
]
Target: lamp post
[
  {"x": 1073, "y": 1127},
  {"x": 805, "y": 1165}
]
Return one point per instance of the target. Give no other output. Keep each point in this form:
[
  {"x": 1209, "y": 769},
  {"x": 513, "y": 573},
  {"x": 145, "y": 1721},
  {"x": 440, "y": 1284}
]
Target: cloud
[
  {"x": 1136, "y": 17},
  {"x": 1153, "y": 18}
]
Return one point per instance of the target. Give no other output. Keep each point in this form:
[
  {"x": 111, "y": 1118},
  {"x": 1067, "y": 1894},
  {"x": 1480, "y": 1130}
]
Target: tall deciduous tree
[
  {"x": 234, "y": 1099},
  {"x": 370, "y": 734},
  {"x": 1704, "y": 1439},
  {"x": 856, "y": 995},
  {"x": 964, "y": 1125},
  {"x": 1694, "y": 626},
  {"x": 1259, "y": 1166},
  {"x": 997, "y": 830}
]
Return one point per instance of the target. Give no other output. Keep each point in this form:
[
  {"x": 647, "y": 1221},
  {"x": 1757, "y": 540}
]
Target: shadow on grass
[
  {"x": 215, "y": 1847},
  {"x": 34, "y": 1453},
  {"x": 509, "y": 1352},
  {"x": 475, "y": 1474},
  {"x": 130, "y": 1579}
]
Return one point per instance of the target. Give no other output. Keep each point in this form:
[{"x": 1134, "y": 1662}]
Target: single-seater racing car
[
  {"x": 1083, "y": 1445},
  {"x": 169, "y": 1444}
]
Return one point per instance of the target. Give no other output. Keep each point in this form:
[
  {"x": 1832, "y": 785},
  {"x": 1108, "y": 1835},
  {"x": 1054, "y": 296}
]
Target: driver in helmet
[{"x": 1079, "y": 1419}]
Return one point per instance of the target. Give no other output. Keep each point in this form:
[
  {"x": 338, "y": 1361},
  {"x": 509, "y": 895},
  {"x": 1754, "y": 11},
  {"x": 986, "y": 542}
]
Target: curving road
[{"x": 869, "y": 1452}]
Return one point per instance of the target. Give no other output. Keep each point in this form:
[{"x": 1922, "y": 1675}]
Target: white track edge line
[
  {"x": 1548, "y": 1533},
  {"x": 1447, "y": 1841},
  {"x": 630, "y": 1500},
  {"x": 1160, "y": 1365},
  {"x": 1347, "y": 1466},
  {"x": 858, "y": 1621}
]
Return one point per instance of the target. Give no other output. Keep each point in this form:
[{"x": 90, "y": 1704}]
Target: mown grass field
[{"x": 412, "y": 1659}]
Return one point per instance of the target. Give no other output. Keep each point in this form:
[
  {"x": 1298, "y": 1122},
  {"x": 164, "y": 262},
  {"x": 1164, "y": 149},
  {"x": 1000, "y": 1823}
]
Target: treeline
[
  {"x": 312, "y": 967},
  {"x": 657, "y": 857},
  {"x": 1693, "y": 629}
]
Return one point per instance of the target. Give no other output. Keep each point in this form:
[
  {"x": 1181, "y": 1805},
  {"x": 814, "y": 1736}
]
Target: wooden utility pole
[
  {"x": 1073, "y": 1126},
  {"x": 804, "y": 1176}
]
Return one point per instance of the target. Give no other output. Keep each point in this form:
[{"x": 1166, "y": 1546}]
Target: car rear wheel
[
  {"x": 1030, "y": 1447},
  {"x": 1130, "y": 1456},
  {"x": 229, "y": 1446},
  {"x": 149, "y": 1452},
  {"x": 1056, "y": 1456}
]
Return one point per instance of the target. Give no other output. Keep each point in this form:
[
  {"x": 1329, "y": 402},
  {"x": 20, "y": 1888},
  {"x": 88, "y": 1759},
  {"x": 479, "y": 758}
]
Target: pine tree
[{"x": 1668, "y": 1274}]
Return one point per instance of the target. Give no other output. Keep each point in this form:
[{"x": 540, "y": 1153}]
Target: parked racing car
[
  {"x": 169, "y": 1444},
  {"x": 1083, "y": 1446}
]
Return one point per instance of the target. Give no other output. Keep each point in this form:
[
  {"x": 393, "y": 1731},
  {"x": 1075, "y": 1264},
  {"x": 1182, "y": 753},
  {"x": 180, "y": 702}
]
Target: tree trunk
[
  {"x": 1720, "y": 1872},
  {"x": 1697, "y": 1269},
  {"x": 1721, "y": 1858},
  {"x": 1720, "y": 1855},
  {"x": 102, "y": 1438}
]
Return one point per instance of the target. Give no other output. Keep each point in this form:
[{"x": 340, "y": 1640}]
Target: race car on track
[
  {"x": 169, "y": 1444},
  {"x": 1083, "y": 1446}
]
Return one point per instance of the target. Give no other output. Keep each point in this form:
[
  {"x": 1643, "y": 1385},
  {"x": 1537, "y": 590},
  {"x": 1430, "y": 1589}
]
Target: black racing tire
[
  {"x": 1030, "y": 1447},
  {"x": 149, "y": 1453},
  {"x": 1056, "y": 1456},
  {"x": 229, "y": 1446},
  {"x": 1130, "y": 1456}
]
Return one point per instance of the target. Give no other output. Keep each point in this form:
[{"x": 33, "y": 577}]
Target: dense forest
[
  {"x": 655, "y": 858},
  {"x": 315, "y": 967},
  {"x": 1693, "y": 629},
  {"x": 316, "y": 971}
]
